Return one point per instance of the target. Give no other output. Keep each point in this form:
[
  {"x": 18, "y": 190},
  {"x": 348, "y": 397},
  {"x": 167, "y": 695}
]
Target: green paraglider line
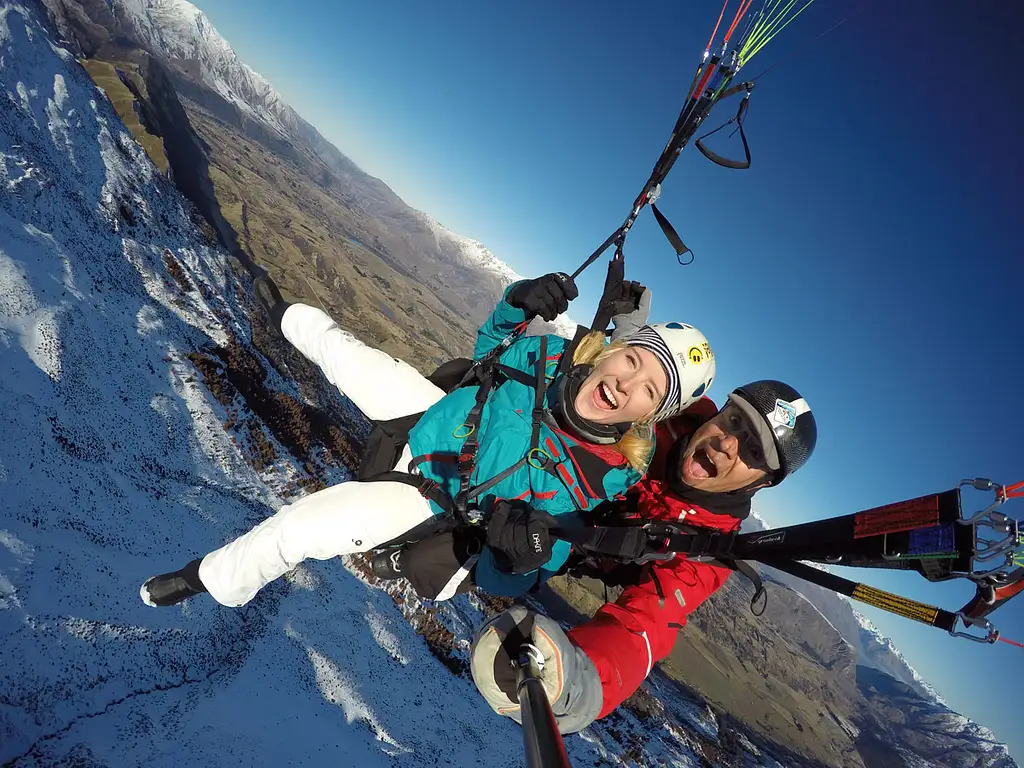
[
  {"x": 776, "y": 31},
  {"x": 763, "y": 23},
  {"x": 813, "y": 40},
  {"x": 711, "y": 81},
  {"x": 752, "y": 21},
  {"x": 765, "y": 30}
]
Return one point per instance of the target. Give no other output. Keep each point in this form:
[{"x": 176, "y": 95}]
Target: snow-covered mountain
[
  {"x": 176, "y": 29},
  {"x": 871, "y": 647},
  {"x": 473, "y": 253},
  {"x": 914, "y": 730},
  {"x": 878, "y": 651},
  {"x": 182, "y": 35},
  {"x": 127, "y": 450}
]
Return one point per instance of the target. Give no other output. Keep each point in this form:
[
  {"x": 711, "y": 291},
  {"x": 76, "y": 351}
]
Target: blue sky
[{"x": 870, "y": 256}]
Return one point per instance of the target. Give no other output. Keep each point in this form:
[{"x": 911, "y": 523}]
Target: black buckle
[{"x": 467, "y": 458}]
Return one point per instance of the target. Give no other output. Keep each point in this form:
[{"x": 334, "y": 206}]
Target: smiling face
[
  {"x": 724, "y": 454},
  {"x": 627, "y": 385}
]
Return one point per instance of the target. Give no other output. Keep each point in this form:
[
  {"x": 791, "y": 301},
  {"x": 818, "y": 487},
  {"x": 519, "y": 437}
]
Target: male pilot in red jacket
[{"x": 708, "y": 466}]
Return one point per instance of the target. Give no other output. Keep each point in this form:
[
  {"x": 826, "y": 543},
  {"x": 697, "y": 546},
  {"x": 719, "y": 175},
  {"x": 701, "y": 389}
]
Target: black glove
[
  {"x": 620, "y": 296},
  {"x": 629, "y": 322},
  {"x": 519, "y": 537},
  {"x": 269, "y": 296},
  {"x": 547, "y": 296}
]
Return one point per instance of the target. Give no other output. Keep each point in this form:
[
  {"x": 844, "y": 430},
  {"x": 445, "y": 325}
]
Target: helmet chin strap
[{"x": 591, "y": 431}]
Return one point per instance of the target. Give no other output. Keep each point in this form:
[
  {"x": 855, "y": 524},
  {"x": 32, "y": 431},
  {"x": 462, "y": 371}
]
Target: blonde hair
[{"x": 637, "y": 445}]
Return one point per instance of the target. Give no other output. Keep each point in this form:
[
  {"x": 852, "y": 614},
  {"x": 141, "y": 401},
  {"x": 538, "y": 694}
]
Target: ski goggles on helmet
[{"x": 758, "y": 448}]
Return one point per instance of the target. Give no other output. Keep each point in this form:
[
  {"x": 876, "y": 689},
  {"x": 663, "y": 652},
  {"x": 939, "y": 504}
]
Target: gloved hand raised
[
  {"x": 268, "y": 295},
  {"x": 626, "y": 303},
  {"x": 519, "y": 536},
  {"x": 632, "y": 312},
  {"x": 546, "y": 296}
]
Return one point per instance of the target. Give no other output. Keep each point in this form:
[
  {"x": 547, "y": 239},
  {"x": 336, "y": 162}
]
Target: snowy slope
[
  {"x": 116, "y": 464},
  {"x": 177, "y": 29}
]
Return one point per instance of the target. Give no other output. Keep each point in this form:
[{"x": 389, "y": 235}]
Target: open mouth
[
  {"x": 702, "y": 466},
  {"x": 604, "y": 398}
]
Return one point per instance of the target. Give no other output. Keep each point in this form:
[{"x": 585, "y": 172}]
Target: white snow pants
[{"x": 346, "y": 518}]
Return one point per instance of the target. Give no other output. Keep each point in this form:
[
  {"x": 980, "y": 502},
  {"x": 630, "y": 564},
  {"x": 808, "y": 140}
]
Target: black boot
[
  {"x": 270, "y": 297},
  {"x": 387, "y": 564},
  {"x": 172, "y": 588}
]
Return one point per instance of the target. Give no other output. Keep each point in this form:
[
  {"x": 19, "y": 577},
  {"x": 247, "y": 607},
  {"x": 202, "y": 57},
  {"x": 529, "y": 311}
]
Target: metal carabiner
[
  {"x": 983, "y": 484},
  {"x": 991, "y": 633},
  {"x": 1007, "y": 530},
  {"x": 886, "y": 555},
  {"x": 655, "y": 557}
]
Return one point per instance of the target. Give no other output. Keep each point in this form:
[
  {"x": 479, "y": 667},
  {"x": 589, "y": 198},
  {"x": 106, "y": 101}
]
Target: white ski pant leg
[
  {"x": 381, "y": 386},
  {"x": 340, "y": 520}
]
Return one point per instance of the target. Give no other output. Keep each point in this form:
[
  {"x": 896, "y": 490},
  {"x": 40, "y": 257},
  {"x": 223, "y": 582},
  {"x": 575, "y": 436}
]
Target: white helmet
[{"x": 686, "y": 356}]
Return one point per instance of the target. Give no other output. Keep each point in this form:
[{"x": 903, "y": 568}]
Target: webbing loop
[{"x": 538, "y": 463}]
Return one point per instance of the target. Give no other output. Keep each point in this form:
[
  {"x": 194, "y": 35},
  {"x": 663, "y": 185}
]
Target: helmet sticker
[
  {"x": 696, "y": 355},
  {"x": 707, "y": 350},
  {"x": 784, "y": 415}
]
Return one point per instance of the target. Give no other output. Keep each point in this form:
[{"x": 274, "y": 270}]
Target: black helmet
[{"x": 783, "y": 421}]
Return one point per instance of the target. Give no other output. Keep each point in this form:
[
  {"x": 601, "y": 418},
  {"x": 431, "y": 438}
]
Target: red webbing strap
[{"x": 908, "y": 515}]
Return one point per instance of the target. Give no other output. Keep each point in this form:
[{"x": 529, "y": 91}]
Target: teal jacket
[{"x": 504, "y": 438}]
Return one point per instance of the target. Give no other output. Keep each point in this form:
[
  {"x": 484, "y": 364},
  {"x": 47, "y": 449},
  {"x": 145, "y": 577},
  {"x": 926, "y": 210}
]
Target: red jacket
[{"x": 626, "y": 637}]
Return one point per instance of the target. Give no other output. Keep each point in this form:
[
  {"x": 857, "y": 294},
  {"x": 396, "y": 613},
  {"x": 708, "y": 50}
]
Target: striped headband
[{"x": 649, "y": 339}]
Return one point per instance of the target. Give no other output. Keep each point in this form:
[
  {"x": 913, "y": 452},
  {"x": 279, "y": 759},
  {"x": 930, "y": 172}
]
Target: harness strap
[
  {"x": 748, "y": 571},
  {"x": 487, "y": 376},
  {"x": 477, "y": 490},
  {"x": 886, "y": 601},
  {"x": 624, "y": 542},
  {"x": 893, "y": 536},
  {"x": 516, "y": 375},
  {"x": 429, "y": 489},
  {"x": 471, "y": 446}
]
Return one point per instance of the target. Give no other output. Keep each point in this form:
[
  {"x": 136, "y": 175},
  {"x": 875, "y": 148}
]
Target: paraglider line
[
  {"x": 316, "y": 294},
  {"x": 744, "y": 7},
  {"x": 767, "y": 30},
  {"x": 807, "y": 44},
  {"x": 775, "y": 31},
  {"x": 750, "y": 23},
  {"x": 711, "y": 39},
  {"x": 1014, "y": 491}
]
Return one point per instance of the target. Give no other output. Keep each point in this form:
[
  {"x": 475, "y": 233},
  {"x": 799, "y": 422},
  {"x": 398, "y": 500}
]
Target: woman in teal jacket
[{"x": 541, "y": 423}]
